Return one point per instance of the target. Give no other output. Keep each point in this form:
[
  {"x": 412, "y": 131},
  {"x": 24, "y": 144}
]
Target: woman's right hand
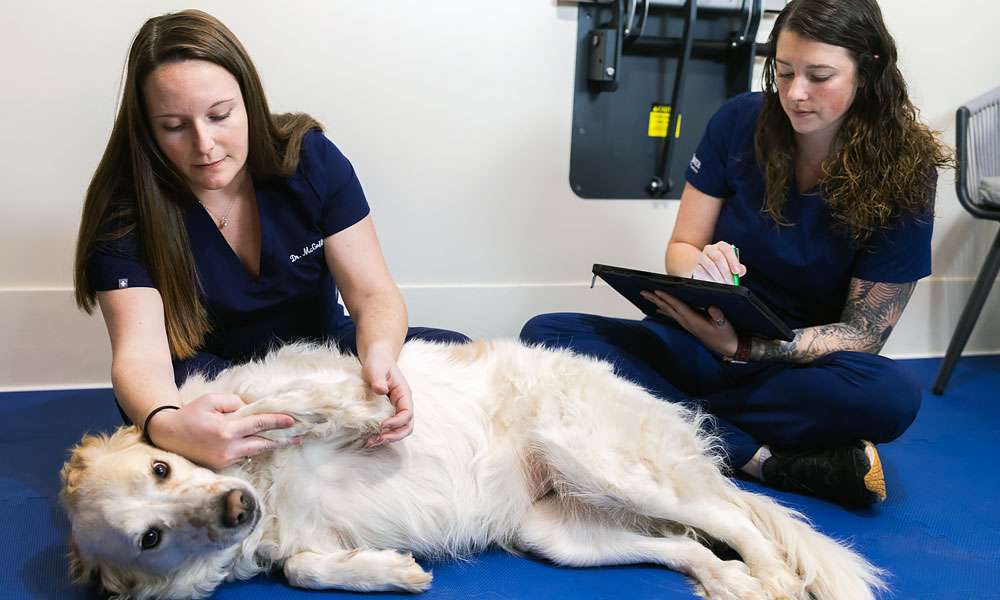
[
  {"x": 203, "y": 431},
  {"x": 718, "y": 262}
]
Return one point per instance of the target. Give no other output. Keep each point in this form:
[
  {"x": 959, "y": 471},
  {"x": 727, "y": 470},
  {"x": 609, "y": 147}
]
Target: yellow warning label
[{"x": 659, "y": 121}]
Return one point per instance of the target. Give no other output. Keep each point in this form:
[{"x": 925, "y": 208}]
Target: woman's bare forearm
[
  {"x": 681, "y": 258},
  {"x": 381, "y": 323},
  {"x": 142, "y": 384}
]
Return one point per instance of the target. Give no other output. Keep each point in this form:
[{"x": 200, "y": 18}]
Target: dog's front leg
[
  {"x": 357, "y": 570},
  {"x": 333, "y": 409}
]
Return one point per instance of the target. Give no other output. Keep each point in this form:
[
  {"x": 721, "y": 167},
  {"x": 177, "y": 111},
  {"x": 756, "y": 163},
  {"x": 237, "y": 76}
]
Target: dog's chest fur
[{"x": 444, "y": 490}]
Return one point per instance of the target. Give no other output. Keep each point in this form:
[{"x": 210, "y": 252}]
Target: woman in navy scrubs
[
  {"x": 825, "y": 182},
  {"x": 213, "y": 230}
]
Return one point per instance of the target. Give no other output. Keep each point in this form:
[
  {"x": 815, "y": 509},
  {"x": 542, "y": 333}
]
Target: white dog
[{"x": 535, "y": 450}]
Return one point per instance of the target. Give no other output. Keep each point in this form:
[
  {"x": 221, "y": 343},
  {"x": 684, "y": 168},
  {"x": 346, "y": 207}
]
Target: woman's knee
[
  {"x": 544, "y": 328},
  {"x": 855, "y": 396},
  {"x": 885, "y": 397},
  {"x": 432, "y": 334},
  {"x": 899, "y": 393},
  {"x": 452, "y": 337}
]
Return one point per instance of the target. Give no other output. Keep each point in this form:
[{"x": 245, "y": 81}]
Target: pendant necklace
[{"x": 220, "y": 223}]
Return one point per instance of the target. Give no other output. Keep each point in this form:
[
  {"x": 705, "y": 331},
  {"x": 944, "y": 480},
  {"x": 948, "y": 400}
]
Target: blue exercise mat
[{"x": 938, "y": 533}]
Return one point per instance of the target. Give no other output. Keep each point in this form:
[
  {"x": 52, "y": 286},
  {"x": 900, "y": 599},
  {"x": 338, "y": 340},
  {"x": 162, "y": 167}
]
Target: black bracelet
[{"x": 145, "y": 425}]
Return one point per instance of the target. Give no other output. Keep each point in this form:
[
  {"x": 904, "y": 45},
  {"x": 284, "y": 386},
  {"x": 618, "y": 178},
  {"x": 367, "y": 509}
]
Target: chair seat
[{"x": 989, "y": 192}]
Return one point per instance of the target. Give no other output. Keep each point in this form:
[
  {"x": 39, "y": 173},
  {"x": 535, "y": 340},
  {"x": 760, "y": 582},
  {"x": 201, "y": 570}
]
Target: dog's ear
[
  {"x": 76, "y": 465},
  {"x": 112, "y": 583},
  {"x": 116, "y": 586},
  {"x": 81, "y": 455},
  {"x": 117, "y": 583},
  {"x": 123, "y": 437},
  {"x": 81, "y": 571}
]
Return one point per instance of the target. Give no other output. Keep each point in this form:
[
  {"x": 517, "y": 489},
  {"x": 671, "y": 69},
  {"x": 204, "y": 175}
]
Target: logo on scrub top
[
  {"x": 695, "y": 163},
  {"x": 122, "y": 284},
  {"x": 306, "y": 250}
]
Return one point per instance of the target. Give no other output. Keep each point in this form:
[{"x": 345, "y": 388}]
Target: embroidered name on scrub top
[{"x": 306, "y": 250}]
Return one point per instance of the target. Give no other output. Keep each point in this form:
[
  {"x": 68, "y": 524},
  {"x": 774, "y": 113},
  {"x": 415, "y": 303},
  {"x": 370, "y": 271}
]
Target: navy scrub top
[
  {"x": 801, "y": 271},
  {"x": 294, "y": 297}
]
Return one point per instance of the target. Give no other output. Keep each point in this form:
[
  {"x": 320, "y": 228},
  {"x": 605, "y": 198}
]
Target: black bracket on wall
[{"x": 650, "y": 73}]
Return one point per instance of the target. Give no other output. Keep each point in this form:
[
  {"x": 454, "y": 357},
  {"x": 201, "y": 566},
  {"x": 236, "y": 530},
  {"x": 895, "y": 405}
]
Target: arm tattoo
[{"x": 871, "y": 311}]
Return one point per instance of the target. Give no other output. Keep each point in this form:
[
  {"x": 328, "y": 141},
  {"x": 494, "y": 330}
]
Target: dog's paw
[
  {"x": 357, "y": 570},
  {"x": 781, "y": 583},
  {"x": 410, "y": 575},
  {"x": 730, "y": 580}
]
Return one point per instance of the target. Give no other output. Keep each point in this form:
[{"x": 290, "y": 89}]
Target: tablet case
[{"x": 746, "y": 312}]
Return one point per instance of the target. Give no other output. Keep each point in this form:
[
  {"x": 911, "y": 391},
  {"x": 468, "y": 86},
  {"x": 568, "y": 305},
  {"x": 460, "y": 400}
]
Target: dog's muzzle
[{"x": 238, "y": 508}]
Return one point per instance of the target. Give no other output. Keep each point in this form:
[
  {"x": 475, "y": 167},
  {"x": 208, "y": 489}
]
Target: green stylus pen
[{"x": 736, "y": 278}]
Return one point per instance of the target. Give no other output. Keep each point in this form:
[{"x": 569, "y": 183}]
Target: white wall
[{"x": 456, "y": 115}]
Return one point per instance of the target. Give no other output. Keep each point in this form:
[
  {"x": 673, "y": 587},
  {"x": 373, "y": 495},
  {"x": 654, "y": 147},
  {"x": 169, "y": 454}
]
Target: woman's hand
[
  {"x": 382, "y": 374},
  {"x": 716, "y": 332},
  {"x": 203, "y": 431},
  {"x": 718, "y": 262},
  {"x": 355, "y": 260}
]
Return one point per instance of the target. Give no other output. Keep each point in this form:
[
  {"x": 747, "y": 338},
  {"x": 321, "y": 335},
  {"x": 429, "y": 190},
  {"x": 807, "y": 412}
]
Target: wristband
[
  {"x": 742, "y": 354},
  {"x": 145, "y": 425}
]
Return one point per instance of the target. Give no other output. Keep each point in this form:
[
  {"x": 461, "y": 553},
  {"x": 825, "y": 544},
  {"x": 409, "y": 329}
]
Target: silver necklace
[{"x": 221, "y": 223}]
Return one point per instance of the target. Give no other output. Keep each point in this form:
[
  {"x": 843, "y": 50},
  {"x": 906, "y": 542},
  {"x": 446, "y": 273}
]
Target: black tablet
[{"x": 746, "y": 312}]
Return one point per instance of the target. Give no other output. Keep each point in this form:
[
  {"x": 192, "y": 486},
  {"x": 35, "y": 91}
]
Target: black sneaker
[{"x": 849, "y": 475}]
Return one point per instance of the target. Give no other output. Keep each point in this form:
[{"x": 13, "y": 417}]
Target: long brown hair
[
  {"x": 884, "y": 160},
  {"x": 137, "y": 189}
]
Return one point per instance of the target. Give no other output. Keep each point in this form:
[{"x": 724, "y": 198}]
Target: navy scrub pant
[
  {"x": 345, "y": 337},
  {"x": 834, "y": 400}
]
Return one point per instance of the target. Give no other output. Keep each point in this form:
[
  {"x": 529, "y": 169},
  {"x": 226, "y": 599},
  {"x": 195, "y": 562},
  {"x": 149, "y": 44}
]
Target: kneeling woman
[
  {"x": 825, "y": 182},
  {"x": 213, "y": 230}
]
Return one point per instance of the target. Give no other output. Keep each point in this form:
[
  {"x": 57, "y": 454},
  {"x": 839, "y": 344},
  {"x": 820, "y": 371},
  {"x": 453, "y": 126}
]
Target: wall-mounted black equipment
[{"x": 649, "y": 75}]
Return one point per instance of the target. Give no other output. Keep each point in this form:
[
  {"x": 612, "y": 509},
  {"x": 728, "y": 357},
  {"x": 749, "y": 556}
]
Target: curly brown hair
[{"x": 883, "y": 162}]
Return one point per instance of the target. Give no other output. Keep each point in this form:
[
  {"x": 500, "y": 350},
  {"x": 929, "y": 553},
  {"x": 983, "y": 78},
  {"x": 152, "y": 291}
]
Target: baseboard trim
[
  {"x": 50, "y": 344},
  {"x": 55, "y": 388}
]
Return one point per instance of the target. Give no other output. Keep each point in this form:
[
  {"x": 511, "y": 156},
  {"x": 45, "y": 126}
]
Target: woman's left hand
[
  {"x": 716, "y": 332},
  {"x": 382, "y": 374}
]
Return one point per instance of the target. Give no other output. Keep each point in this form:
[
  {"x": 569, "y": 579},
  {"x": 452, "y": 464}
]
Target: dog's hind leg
[
  {"x": 357, "y": 570},
  {"x": 657, "y": 479},
  {"x": 574, "y": 534}
]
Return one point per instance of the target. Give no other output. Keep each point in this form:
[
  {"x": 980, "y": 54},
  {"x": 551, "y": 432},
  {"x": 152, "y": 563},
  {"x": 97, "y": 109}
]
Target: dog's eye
[
  {"x": 161, "y": 469},
  {"x": 150, "y": 539}
]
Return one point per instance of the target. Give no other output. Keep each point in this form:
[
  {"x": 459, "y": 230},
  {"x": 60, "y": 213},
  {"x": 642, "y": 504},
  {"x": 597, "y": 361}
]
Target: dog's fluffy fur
[{"x": 536, "y": 450}]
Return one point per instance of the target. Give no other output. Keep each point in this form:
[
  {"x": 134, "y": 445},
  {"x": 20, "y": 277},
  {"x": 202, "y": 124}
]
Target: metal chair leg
[{"x": 970, "y": 314}]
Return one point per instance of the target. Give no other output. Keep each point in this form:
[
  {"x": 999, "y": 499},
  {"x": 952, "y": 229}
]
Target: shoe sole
[{"x": 874, "y": 478}]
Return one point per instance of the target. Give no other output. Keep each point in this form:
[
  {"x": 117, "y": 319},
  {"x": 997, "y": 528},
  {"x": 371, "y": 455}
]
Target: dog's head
[{"x": 146, "y": 523}]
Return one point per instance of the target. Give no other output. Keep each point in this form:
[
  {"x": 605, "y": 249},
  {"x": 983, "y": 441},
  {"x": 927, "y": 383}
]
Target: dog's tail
[{"x": 831, "y": 570}]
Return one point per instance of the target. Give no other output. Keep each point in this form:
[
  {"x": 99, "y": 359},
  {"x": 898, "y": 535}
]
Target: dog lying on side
[{"x": 536, "y": 450}]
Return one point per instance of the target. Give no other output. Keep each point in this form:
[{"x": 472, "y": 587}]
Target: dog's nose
[{"x": 238, "y": 508}]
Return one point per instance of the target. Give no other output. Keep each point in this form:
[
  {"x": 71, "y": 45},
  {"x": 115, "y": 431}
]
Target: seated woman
[
  {"x": 213, "y": 230},
  {"x": 825, "y": 182}
]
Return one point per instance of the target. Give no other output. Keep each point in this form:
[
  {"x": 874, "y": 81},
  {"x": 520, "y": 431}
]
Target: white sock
[{"x": 755, "y": 466}]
